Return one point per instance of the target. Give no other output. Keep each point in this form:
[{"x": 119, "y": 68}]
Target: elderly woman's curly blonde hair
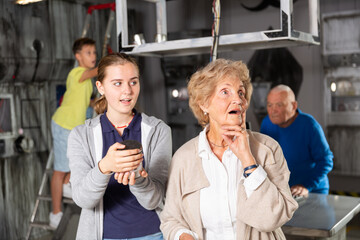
[{"x": 203, "y": 83}]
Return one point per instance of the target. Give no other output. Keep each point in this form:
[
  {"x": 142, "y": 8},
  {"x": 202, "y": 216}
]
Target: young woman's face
[{"x": 121, "y": 87}]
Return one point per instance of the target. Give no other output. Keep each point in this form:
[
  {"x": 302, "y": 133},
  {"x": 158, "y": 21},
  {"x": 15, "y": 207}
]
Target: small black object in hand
[{"x": 131, "y": 144}]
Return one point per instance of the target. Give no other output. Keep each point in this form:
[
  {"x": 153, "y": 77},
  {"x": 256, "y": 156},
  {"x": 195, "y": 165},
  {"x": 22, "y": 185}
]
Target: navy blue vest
[{"x": 124, "y": 217}]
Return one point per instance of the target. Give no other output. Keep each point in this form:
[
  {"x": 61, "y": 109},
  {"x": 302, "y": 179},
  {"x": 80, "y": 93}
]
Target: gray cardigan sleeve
[
  {"x": 87, "y": 182},
  {"x": 150, "y": 191}
]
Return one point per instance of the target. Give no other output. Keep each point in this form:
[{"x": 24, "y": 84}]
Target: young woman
[{"x": 115, "y": 204}]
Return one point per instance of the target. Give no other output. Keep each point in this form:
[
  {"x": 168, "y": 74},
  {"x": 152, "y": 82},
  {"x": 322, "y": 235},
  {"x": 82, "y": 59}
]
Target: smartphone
[{"x": 133, "y": 144}]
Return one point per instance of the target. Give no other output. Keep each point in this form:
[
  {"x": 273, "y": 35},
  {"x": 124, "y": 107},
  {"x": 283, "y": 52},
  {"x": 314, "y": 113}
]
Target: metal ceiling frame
[{"x": 284, "y": 37}]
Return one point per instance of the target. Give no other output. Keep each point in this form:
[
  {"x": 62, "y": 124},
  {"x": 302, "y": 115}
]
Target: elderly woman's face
[{"x": 228, "y": 102}]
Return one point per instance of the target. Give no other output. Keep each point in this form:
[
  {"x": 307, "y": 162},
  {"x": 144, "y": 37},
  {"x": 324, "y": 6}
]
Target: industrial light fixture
[
  {"x": 175, "y": 93},
  {"x": 180, "y": 93},
  {"x": 24, "y": 2},
  {"x": 333, "y": 87}
]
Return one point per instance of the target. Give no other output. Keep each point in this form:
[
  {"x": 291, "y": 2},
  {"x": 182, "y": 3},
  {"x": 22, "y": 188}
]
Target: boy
[{"x": 72, "y": 112}]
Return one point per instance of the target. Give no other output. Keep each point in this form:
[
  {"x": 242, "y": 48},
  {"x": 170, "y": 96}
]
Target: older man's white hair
[{"x": 284, "y": 88}]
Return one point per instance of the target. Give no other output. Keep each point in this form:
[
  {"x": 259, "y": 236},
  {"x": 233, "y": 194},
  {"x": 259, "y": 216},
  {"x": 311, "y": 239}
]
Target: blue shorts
[
  {"x": 155, "y": 236},
  {"x": 60, "y": 138}
]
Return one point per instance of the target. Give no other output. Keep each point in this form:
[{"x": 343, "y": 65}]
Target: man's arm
[{"x": 322, "y": 156}]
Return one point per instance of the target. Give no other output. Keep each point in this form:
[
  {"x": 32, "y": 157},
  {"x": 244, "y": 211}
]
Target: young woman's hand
[
  {"x": 129, "y": 177},
  {"x": 119, "y": 160}
]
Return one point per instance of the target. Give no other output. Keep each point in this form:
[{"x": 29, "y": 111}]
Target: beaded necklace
[{"x": 126, "y": 125}]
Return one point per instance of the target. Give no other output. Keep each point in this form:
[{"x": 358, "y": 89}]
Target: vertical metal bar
[
  {"x": 47, "y": 169},
  {"x": 107, "y": 32},
  {"x": 13, "y": 116},
  {"x": 84, "y": 31},
  {"x": 50, "y": 160},
  {"x": 86, "y": 25},
  {"x": 161, "y": 26},
  {"x": 286, "y": 7},
  {"x": 122, "y": 23},
  {"x": 314, "y": 17},
  {"x": 44, "y": 179}
]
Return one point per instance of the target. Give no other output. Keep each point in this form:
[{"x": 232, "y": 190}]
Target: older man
[{"x": 303, "y": 142}]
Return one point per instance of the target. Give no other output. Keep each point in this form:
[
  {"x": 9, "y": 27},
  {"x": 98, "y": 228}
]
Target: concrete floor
[
  {"x": 68, "y": 234},
  {"x": 352, "y": 230}
]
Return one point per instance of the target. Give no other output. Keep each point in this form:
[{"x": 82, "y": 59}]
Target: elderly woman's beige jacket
[{"x": 258, "y": 217}]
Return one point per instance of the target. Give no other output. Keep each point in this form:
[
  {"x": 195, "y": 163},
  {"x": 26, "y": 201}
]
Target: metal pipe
[
  {"x": 314, "y": 17},
  {"x": 122, "y": 23},
  {"x": 286, "y": 6},
  {"x": 108, "y": 31},
  {"x": 161, "y": 27},
  {"x": 86, "y": 25}
]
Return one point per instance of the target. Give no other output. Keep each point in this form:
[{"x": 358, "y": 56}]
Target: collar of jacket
[{"x": 196, "y": 173}]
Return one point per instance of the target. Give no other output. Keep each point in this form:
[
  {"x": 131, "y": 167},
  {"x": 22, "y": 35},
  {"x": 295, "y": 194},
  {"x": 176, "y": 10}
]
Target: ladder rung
[
  {"x": 39, "y": 224},
  {"x": 68, "y": 200},
  {"x": 45, "y": 197},
  {"x": 48, "y": 198}
]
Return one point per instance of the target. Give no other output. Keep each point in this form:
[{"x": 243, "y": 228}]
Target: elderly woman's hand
[
  {"x": 238, "y": 140},
  {"x": 299, "y": 190},
  {"x": 186, "y": 236},
  {"x": 236, "y": 137}
]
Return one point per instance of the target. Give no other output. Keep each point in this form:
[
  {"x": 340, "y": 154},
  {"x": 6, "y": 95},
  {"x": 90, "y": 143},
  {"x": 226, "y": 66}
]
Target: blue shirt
[
  {"x": 124, "y": 217},
  {"x": 305, "y": 149}
]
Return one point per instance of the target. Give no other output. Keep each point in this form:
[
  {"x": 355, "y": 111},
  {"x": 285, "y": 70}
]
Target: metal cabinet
[{"x": 341, "y": 61}]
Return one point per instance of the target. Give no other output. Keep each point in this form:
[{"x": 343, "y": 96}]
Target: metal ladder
[
  {"x": 71, "y": 207},
  {"x": 105, "y": 46},
  {"x": 107, "y": 36},
  {"x": 43, "y": 197}
]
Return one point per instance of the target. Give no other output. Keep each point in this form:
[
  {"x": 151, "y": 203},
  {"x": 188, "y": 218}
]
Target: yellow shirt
[{"x": 72, "y": 111}]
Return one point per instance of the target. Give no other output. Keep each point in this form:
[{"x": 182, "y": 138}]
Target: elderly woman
[{"x": 228, "y": 182}]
